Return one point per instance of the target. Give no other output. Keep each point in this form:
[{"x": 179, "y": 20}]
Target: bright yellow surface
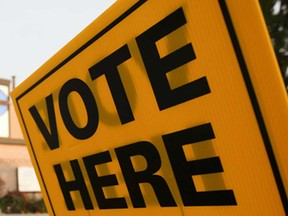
[{"x": 238, "y": 142}]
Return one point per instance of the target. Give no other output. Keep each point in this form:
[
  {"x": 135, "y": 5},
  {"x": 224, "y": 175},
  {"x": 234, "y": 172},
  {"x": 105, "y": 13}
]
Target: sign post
[{"x": 161, "y": 108}]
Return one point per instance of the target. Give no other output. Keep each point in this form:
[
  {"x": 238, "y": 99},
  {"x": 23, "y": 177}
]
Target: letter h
[{"x": 76, "y": 185}]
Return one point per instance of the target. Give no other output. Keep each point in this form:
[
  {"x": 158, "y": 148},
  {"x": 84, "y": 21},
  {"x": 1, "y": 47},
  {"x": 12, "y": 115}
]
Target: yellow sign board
[{"x": 163, "y": 108}]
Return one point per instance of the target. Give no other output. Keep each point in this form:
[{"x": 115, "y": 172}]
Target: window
[{"x": 4, "y": 108}]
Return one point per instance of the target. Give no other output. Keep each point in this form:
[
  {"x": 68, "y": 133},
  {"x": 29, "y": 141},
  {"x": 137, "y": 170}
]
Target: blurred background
[{"x": 276, "y": 17}]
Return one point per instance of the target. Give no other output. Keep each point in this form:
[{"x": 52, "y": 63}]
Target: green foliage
[
  {"x": 276, "y": 17},
  {"x": 17, "y": 202},
  {"x": 13, "y": 202},
  {"x": 36, "y": 206}
]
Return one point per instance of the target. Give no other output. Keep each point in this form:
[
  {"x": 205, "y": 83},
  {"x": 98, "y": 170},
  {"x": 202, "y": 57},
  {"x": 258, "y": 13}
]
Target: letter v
[{"x": 52, "y": 136}]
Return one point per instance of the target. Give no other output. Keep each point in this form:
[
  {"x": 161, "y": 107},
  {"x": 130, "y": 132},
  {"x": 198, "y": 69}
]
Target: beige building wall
[
  {"x": 15, "y": 130},
  {"x": 13, "y": 154}
]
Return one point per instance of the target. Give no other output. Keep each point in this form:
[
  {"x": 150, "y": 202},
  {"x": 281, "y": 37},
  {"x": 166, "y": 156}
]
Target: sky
[{"x": 32, "y": 31}]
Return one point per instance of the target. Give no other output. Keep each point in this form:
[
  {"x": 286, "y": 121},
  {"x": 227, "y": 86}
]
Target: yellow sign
[{"x": 163, "y": 108}]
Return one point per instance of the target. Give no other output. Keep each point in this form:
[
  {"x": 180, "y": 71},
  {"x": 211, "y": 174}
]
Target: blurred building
[{"x": 16, "y": 172}]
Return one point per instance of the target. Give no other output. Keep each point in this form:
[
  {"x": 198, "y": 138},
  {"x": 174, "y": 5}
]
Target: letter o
[{"x": 80, "y": 87}]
